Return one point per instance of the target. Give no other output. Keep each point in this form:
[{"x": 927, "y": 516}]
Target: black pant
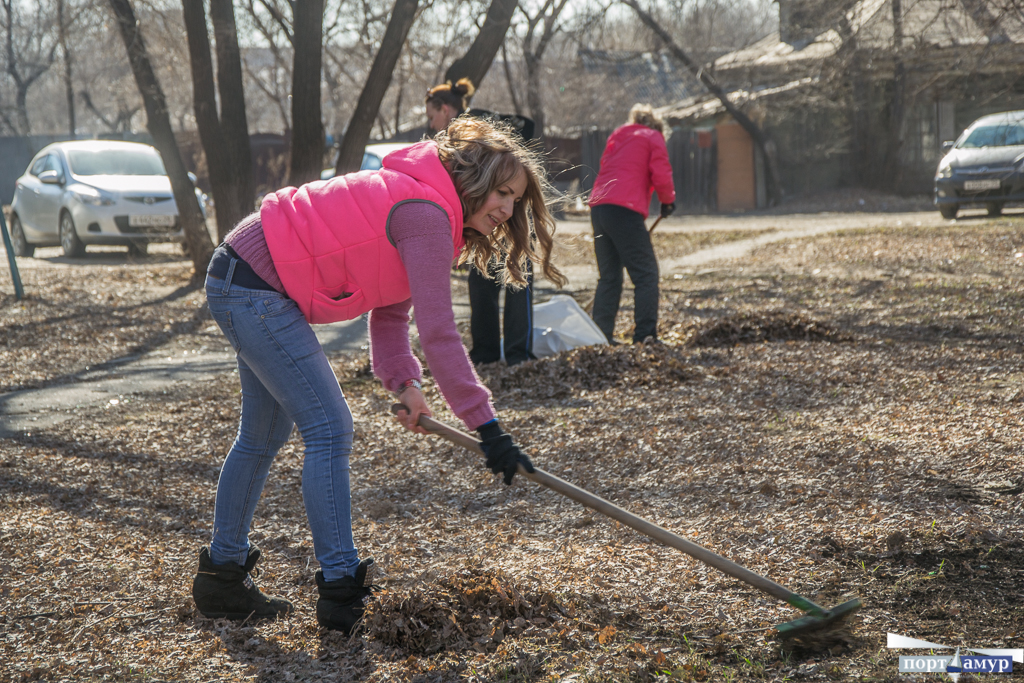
[
  {"x": 485, "y": 322},
  {"x": 621, "y": 240}
]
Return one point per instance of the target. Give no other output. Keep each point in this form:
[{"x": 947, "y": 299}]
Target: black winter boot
[
  {"x": 343, "y": 602},
  {"x": 227, "y": 591}
]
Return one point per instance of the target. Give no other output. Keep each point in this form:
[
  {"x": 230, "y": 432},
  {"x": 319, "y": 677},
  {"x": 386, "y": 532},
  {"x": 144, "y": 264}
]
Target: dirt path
[{"x": 775, "y": 228}]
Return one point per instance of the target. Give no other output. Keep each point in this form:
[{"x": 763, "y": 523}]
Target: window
[
  {"x": 52, "y": 163},
  {"x": 996, "y": 135},
  {"x": 115, "y": 162},
  {"x": 371, "y": 162},
  {"x": 39, "y": 165}
]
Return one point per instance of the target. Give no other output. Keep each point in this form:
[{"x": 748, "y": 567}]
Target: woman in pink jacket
[
  {"x": 634, "y": 165},
  {"x": 378, "y": 242}
]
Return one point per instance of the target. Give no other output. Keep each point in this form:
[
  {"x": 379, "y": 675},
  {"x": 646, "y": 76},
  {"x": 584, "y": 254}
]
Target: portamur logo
[{"x": 992, "y": 661}]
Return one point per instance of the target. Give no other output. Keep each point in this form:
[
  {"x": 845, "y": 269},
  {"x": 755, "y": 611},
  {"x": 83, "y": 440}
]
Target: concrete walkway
[{"x": 33, "y": 409}]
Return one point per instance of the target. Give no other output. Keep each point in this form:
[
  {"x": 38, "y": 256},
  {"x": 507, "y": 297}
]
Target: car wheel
[
  {"x": 137, "y": 248},
  {"x": 949, "y": 211},
  {"x": 994, "y": 209},
  {"x": 18, "y": 242},
  {"x": 69, "y": 242}
]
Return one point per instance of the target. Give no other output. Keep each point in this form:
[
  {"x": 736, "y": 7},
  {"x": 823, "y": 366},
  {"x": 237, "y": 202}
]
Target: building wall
[
  {"x": 812, "y": 148},
  {"x": 737, "y": 190}
]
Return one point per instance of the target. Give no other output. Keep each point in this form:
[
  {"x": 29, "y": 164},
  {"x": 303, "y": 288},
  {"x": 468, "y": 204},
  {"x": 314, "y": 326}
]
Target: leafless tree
[
  {"x": 541, "y": 27},
  {"x": 224, "y": 135},
  {"x": 197, "y": 238},
  {"x": 350, "y": 154},
  {"x": 121, "y": 122},
  {"x": 307, "y": 149},
  {"x": 30, "y": 49},
  {"x": 268, "y": 67},
  {"x": 759, "y": 137},
  {"x": 477, "y": 60}
]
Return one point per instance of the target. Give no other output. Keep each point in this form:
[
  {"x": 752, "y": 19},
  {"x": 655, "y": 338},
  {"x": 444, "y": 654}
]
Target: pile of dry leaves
[{"x": 466, "y": 609}]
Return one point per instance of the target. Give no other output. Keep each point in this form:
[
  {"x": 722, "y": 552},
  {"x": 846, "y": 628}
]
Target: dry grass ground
[{"x": 841, "y": 414}]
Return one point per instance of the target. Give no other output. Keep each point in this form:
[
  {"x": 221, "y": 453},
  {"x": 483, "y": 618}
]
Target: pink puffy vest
[{"x": 329, "y": 238}]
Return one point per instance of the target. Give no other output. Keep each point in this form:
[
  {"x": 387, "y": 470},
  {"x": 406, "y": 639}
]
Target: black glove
[
  {"x": 667, "y": 209},
  {"x": 503, "y": 455}
]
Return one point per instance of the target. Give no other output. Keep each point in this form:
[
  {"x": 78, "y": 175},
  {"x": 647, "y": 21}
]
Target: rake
[{"x": 816, "y": 619}]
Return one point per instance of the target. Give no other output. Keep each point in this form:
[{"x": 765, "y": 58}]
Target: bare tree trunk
[
  {"x": 158, "y": 122},
  {"x": 897, "y": 102},
  {"x": 307, "y": 124},
  {"x": 480, "y": 55},
  {"x": 211, "y": 132},
  {"x": 33, "y": 70},
  {"x": 853, "y": 68},
  {"x": 773, "y": 182},
  {"x": 350, "y": 156},
  {"x": 69, "y": 90},
  {"x": 533, "y": 97},
  {"x": 533, "y": 54},
  {"x": 234, "y": 122},
  {"x": 508, "y": 81}
]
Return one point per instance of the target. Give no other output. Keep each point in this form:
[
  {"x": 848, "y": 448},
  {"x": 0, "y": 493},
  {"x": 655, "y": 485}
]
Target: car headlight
[
  {"x": 90, "y": 195},
  {"x": 945, "y": 171}
]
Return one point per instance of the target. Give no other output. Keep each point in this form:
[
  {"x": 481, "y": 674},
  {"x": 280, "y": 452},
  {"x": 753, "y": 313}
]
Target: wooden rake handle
[
  {"x": 609, "y": 509},
  {"x": 655, "y": 224}
]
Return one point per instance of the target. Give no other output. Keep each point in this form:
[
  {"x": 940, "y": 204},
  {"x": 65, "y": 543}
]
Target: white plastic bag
[{"x": 560, "y": 324}]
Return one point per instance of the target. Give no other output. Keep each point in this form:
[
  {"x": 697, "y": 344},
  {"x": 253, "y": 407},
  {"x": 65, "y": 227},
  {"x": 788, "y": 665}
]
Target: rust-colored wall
[{"x": 736, "y": 184}]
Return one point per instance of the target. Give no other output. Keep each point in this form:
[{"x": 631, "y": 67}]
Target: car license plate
[
  {"x": 152, "y": 221},
  {"x": 981, "y": 184}
]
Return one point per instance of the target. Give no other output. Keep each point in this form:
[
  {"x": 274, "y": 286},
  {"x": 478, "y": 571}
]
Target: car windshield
[
  {"x": 115, "y": 162},
  {"x": 371, "y": 162},
  {"x": 999, "y": 135}
]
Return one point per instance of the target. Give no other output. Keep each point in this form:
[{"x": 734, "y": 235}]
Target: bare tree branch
[
  {"x": 480, "y": 55},
  {"x": 350, "y": 155},
  {"x": 159, "y": 124},
  {"x": 760, "y": 139}
]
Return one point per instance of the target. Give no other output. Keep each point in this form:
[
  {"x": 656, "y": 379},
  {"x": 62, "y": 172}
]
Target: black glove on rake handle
[
  {"x": 816, "y": 619},
  {"x": 503, "y": 455}
]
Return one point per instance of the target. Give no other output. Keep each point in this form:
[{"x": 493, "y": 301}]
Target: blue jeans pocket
[
  {"x": 223, "y": 320},
  {"x": 276, "y": 304}
]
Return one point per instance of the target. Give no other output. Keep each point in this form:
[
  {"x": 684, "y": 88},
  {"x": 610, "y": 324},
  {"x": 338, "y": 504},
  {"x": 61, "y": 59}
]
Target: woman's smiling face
[{"x": 499, "y": 205}]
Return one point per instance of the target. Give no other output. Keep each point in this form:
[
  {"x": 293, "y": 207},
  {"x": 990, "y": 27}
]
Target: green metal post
[{"x": 19, "y": 292}]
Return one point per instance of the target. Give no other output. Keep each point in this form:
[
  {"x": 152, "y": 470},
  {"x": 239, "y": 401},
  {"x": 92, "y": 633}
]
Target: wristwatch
[{"x": 409, "y": 383}]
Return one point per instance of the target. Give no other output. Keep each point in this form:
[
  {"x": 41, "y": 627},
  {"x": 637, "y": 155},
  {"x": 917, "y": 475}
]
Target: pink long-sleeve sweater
[{"x": 422, "y": 234}]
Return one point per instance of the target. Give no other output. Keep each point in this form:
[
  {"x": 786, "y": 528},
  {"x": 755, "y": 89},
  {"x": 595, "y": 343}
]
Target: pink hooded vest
[{"x": 329, "y": 239}]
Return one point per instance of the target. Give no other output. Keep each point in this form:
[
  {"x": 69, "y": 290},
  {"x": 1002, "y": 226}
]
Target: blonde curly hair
[{"x": 481, "y": 156}]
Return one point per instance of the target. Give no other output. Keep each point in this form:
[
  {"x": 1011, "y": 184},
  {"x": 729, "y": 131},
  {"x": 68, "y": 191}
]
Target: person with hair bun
[
  {"x": 379, "y": 242},
  {"x": 444, "y": 103},
  {"x": 633, "y": 166}
]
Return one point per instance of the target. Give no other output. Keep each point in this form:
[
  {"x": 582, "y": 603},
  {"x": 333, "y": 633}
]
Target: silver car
[
  {"x": 94, "y": 192},
  {"x": 373, "y": 157}
]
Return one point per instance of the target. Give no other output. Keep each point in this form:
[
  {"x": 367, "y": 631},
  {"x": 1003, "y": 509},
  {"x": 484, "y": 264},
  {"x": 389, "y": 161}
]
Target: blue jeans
[{"x": 286, "y": 380}]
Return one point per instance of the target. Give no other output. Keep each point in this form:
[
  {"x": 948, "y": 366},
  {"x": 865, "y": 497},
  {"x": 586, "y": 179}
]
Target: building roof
[
  {"x": 650, "y": 76},
  {"x": 926, "y": 23},
  {"x": 705, "y": 106}
]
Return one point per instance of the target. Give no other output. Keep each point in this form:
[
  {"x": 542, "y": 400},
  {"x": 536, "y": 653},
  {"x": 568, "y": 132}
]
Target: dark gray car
[{"x": 985, "y": 166}]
